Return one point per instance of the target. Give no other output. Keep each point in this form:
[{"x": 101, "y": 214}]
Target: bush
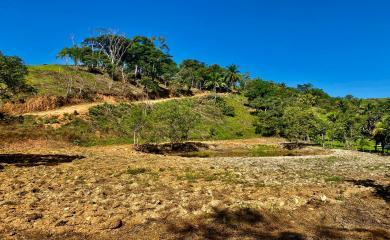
[
  {"x": 12, "y": 73},
  {"x": 173, "y": 121},
  {"x": 226, "y": 109}
]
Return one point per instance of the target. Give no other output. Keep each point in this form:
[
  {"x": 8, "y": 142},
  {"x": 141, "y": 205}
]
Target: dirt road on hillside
[{"x": 83, "y": 108}]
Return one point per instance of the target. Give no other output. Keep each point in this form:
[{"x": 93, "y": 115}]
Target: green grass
[
  {"x": 220, "y": 127},
  {"x": 268, "y": 150},
  {"x": 113, "y": 124},
  {"x": 340, "y": 145},
  {"x": 225, "y": 176},
  {"x": 54, "y": 79},
  {"x": 110, "y": 125},
  {"x": 256, "y": 151},
  {"x": 137, "y": 171}
]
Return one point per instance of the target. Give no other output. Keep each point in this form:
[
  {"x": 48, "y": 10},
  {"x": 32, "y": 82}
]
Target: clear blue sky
[{"x": 342, "y": 46}]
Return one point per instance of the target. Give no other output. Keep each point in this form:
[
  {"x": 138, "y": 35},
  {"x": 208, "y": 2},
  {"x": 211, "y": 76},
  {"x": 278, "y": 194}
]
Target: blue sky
[{"x": 341, "y": 46}]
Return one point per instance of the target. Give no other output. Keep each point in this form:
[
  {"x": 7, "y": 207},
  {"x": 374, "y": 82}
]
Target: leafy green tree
[
  {"x": 381, "y": 132},
  {"x": 174, "y": 120},
  {"x": 143, "y": 57},
  {"x": 269, "y": 123},
  {"x": 75, "y": 53},
  {"x": 192, "y": 73},
  {"x": 258, "y": 88},
  {"x": 12, "y": 74},
  {"x": 300, "y": 124}
]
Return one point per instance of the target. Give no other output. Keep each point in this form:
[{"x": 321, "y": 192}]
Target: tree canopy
[{"x": 12, "y": 74}]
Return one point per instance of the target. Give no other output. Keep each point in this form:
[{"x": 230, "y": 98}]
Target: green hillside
[
  {"x": 219, "y": 118},
  {"x": 56, "y": 80}
]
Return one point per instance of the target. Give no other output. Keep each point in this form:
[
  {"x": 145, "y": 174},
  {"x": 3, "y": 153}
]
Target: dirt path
[{"x": 84, "y": 107}]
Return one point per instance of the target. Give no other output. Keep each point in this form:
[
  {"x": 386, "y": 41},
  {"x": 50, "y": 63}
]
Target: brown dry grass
[{"x": 37, "y": 103}]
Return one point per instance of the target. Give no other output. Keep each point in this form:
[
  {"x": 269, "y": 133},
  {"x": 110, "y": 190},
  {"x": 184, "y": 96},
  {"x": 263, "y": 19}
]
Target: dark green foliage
[
  {"x": 137, "y": 171},
  {"x": 173, "y": 121},
  {"x": 306, "y": 113},
  {"x": 12, "y": 75},
  {"x": 146, "y": 61},
  {"x": 225, "y": 108}
]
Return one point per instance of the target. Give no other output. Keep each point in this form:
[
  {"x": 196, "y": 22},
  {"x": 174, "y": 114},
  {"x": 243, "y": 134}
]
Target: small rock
[
  {"x": 61, "y": 223},
  {"x": 33, "y": 217},
  {"x": 215, "y": 203},
  {"x": 114, "y": 223},
  {"x": 323, "y": 198}
]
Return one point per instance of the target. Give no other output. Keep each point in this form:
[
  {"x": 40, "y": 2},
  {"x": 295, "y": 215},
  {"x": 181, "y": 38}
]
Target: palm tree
[
  {"x": 75, "y": 53},
  {"x": 232, "y": 75}
]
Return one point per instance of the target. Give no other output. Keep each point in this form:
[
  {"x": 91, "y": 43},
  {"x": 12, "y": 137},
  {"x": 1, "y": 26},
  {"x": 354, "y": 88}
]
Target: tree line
[
  {"x": 146, "y": 61},
  {"x": 308, "y": 114},
  {"x": 299, "y": 114}
]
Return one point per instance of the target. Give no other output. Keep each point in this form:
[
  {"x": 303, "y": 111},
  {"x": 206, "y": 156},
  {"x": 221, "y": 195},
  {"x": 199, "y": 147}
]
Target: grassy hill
[
  {"x": 111, "y": 124},
  {"x": 58, "y": 85},
  {"x": 57, "y": 79}
]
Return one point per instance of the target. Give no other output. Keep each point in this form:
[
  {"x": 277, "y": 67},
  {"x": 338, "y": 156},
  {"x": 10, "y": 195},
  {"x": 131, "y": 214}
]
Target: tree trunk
[{"x": 383, "y": 147}]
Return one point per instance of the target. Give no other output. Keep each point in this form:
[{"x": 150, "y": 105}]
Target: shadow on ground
[
  {"x": 248, "y": 223},
  {"x": 353, "y": 233},
  {"x": 245, "y": 223},
  {"x": 31, "y": 160},
  {"x": 242, "y": 223},
  {"x": 381, "y": 191}
]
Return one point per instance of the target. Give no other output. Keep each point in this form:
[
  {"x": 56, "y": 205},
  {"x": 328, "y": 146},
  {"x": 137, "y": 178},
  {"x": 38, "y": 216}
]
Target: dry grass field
[{"x": 58, "y": 191}]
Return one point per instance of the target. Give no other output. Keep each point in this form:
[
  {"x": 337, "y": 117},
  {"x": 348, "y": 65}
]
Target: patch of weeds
[
  {"x": 340, "y": 198},
  {"x": 80, "y": 180},
  {"x": 51, "y": 120},
  {"x": 154, "y": 175},
  {"x": 377, "y": 167},
  {"x": 137, "y": 171},
  {"x": 211, "y": 177},
  {"x": 230, "y": 177},
  {"x": 259, "y": 184},
  {"x": 332, "y": 159},
  {"x": 335, "y": 179},
  {"x": 190, "y": 176}
]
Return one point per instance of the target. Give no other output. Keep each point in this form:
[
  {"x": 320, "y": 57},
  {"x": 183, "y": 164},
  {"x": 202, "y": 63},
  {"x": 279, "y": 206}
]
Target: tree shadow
[
  {"x": 171, "y": 148},
  {"x": 226, "y": 224},
  {"x": 298, "y": 145},
  {"x": 38, "y": 235},
  {"x": 381, "y": 191},
  {"x": 31, "y": 160},
  {"x": 352, "y": 233}
]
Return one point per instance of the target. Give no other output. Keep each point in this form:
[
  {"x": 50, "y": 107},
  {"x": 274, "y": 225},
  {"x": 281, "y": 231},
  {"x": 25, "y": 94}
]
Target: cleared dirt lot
[{"x": 57, "y": 191}]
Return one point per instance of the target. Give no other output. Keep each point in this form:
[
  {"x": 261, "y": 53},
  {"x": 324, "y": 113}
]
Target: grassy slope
[
  {"x": 54, "y": 79},
  {"x": 88, "y": 133},
  {"x": 239, "y": 126}
]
